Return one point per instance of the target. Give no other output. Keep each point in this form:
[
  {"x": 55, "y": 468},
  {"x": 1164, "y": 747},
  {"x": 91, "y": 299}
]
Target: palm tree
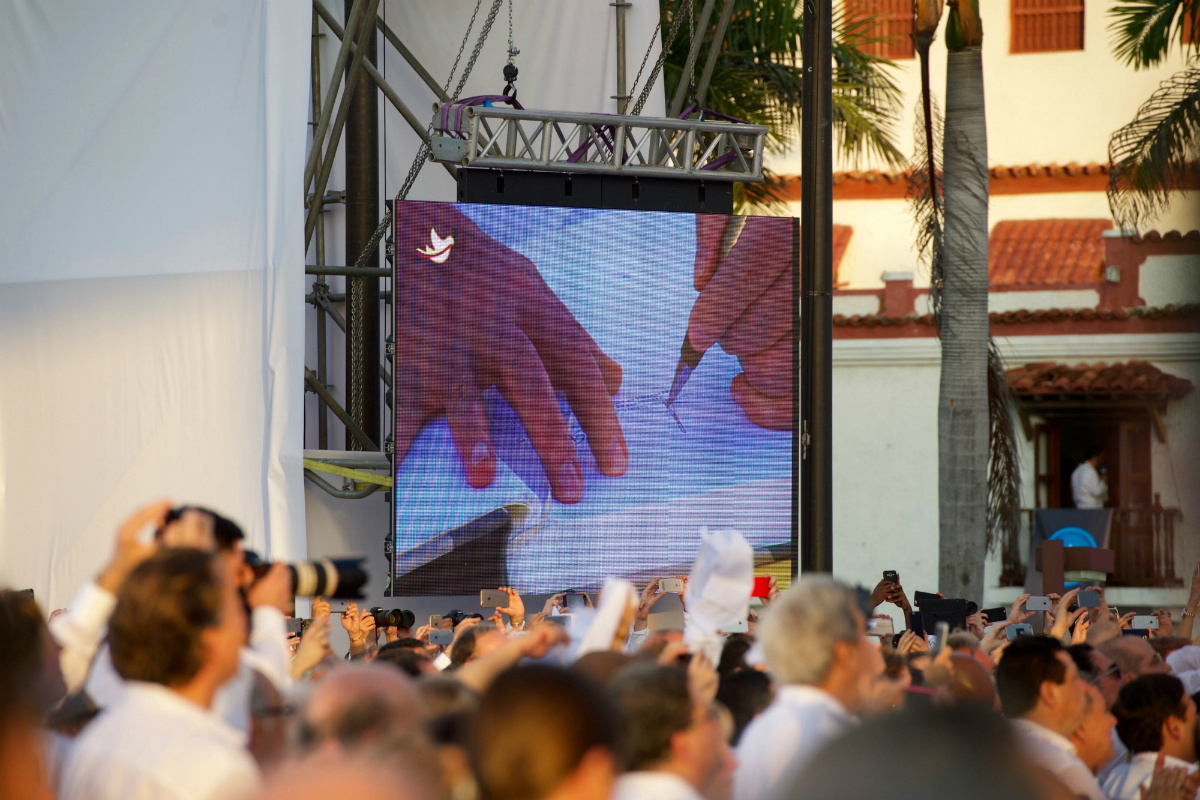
[
  {"x": 963, "y": 395},
  {"x": 757, "y": 78},
  {"x": 1152, "y": 155}
]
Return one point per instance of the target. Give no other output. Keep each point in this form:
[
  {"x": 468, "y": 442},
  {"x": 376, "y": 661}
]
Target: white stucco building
[{"x": 1112, "y": 320}]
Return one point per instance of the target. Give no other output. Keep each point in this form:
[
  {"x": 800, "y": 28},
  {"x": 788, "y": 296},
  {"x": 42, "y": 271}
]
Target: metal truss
[{"x": 559, "y": 141}]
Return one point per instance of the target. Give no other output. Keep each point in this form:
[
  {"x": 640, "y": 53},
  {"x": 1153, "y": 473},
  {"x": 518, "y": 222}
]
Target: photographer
[
  {"x": 80, "y": 630},
  {"x": 159, "y": 739}
]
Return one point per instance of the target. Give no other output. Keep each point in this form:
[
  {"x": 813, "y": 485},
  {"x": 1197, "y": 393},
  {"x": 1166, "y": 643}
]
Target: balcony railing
[{"x": 1142, "y": 540}]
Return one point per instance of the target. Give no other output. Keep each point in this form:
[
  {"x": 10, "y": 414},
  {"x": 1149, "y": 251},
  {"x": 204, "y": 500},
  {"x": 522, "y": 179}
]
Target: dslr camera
[{"x": 395, "y": 618}]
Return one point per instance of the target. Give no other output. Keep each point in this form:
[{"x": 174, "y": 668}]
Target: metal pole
[
  {"x": 685, "y": 80},
  {"x": 711, "y": 62},
  {"x": 319, "y": 286},
  {"x": 343, "y": 107},
  {"x": 416, "y": 65},
  {"x": 388, "y": 91},
  {"x": 622, "y": 95},
  {"x": 816, "y": 292},
  {"x": 338, "y": 411},
  {"x": 314, "y": 155},
  {"x": 362, "y": 217},
  {"x": 349, "y": 272}
]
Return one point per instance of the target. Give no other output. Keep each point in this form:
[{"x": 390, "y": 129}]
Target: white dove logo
[{"x": 438, "y": 249}]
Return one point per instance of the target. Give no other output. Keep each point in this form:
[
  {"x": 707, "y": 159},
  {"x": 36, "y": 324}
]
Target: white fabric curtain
[{"x": 151, "y": 278}]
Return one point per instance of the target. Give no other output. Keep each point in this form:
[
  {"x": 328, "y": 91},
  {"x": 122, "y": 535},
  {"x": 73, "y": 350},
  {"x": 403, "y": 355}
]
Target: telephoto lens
[
  {"x": 327, "y": 577},
  {"x": 396, "y": 618}
]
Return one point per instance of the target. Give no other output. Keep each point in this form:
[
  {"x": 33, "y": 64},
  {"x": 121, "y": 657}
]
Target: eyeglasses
[{"x": 1113, "y": 670}]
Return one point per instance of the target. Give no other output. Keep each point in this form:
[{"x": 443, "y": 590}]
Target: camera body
[{"x": 394, "y": 618}]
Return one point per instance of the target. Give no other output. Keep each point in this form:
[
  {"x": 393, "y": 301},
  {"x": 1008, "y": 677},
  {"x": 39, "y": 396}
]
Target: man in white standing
[
  {"x": 815, "y": 642},
  {"x": 1089, "y": 489},
  {"x": 175, "y": 637},
  {"x": 1041, "y": 692}
]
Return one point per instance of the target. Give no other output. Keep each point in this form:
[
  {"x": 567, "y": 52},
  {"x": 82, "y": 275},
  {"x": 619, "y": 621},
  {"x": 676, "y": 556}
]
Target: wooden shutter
[
  {"x": 1047, "y": 487},
  {"x": 1134, "y": 465},
  {"x": 1190, "y": 23},
  {"x": 892, "y": 24},
  {"x": 1045, "y": 26}
]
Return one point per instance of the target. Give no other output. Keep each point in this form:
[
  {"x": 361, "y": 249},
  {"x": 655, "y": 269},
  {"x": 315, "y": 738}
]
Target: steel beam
[
  {"x": 416, "y": 65},
  {"x": 388, "y": 91},
  {"x": 343, "y": 494},
  {"x": 314, "y": 155},
  {"x": 339, "y": 122},
  {"x": 319, "y": 286},
  {"x": 370, "y": 272},
  {"x": 338, "y": 411},
  {"x": 816, "y": 294},
  {"x": 714, "y": 50},
  {"x": 685, "y": 80}
]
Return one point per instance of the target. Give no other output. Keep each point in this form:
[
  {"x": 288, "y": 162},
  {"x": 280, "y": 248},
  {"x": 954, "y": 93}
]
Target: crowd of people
[{"x": 173, "y": 675}]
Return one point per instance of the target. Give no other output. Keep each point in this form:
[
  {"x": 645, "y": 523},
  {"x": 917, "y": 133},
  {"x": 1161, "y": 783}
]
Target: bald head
[
  {"x": 1134, "y": 656},
  {"x": 361, "y": 705}
]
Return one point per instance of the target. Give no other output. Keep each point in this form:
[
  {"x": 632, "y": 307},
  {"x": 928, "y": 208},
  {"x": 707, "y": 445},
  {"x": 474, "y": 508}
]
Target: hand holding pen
[{"x": 744, "y": 268}]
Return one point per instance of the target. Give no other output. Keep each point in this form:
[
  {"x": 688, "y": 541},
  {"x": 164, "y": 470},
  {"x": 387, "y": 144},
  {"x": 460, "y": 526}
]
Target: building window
[
  {"x": 1046, "y": 26},
  {"x": 891, "y": 23}
]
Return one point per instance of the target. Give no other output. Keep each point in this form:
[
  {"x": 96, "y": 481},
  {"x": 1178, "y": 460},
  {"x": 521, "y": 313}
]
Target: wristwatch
[{"x": 1185, "y": 614}]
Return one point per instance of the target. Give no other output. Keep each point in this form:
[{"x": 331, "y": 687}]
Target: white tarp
[{"x": 151, "y": 283}]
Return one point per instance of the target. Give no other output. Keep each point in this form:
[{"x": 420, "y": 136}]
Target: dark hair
[
  {"x": 226, "y": 532},
  {"x": 449, "y": 709},
  {"x": 406, "y": 659},
  {"x": 162, "y": 608},
  {"x": 745, "y": 694},
  {"x": 956, "y": 745},
  {"x": 601, "y": 666},
  {"x": 1081, "y": 654},
  {"x": 1095, "y": 449},
  {"x": 406, "y": 643},
  {"x": 1028, "y": 662},
  {"x": 22, "y": 633},
  {"x": 733, "y": 654},
  {"x": 534, "y": 725},
  {"x": 654, "y": 704},
  {"x": 1142, "y": 707}
]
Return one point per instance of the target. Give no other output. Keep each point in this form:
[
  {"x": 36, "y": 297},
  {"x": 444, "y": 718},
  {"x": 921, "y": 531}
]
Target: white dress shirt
[
  {"x": 1120, "y": 757},
  {"x": 1126, "y": 781},
  {"x": 800, "y": 721},
  {"x": 1087, "y": 489},
  {"x": 1185, "y": 665},
  {"x": 153, "y": 744},
  {"x": 87, "y": 663},
  {"x": 653, "y": 785},
  {"x": 1058, "y": 755}
]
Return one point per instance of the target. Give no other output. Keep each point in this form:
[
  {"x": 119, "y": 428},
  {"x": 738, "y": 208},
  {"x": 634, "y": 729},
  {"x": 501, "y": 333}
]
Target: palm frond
[
  {"x": 1144, "y": 31},
  {"x": 1004, "y": 457},
  {"x": 758, "y": 77},
  {"x": 1151, "y": 156},
  {"x": 927, "y": 214}
]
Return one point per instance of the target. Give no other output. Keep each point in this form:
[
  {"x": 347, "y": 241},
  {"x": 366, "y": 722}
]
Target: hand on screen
[
  {"x": 746, "y": 305},
  {"x": 474, "y": 314}
]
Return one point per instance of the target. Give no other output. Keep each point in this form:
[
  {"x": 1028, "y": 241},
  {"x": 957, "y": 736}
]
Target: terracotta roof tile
[
  {"x": 1170, "y": 311},
  {"x": 1132, "y": 380},
  {"x": 1046, "y": 251}
]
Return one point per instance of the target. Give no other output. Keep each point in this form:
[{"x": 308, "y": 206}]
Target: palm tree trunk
[{"x": 963, "y": 398}]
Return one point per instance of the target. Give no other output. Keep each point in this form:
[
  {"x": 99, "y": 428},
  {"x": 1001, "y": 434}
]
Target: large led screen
[{"x": 579, "y": 393}]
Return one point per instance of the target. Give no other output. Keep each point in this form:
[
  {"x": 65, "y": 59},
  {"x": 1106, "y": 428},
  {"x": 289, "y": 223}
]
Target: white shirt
[
  {"x": 800, "y": 721},
  {"x": 155, "y": 745},
  {"x": 1120, "y": 757},
  {"x": 87, "y": 662},
  {"x": 1058, "y": 755},
  {"x": 1185, "y": 665},
  {"x": 653, "y": 785},
  {"x": 1125, "y": 782},
  {"x": 1087, "y": 489}
]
